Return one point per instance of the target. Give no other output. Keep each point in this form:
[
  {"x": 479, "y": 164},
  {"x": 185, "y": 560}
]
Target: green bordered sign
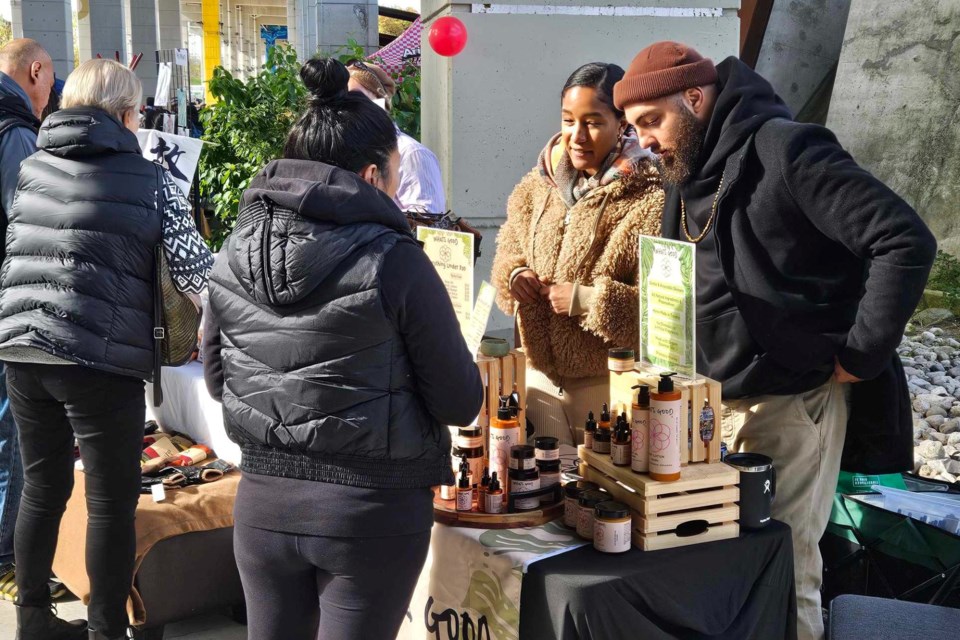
[{"x": 668, "y": 317}]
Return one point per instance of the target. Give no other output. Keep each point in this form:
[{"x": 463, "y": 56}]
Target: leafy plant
[
  {"x": 945, "y": 277},
  {"x": 247, "y": 128}
]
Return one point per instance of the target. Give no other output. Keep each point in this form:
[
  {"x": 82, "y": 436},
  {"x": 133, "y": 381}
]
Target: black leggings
[
  {"x": 311, "y": 587},
  {"x": 52, "y": 404}
]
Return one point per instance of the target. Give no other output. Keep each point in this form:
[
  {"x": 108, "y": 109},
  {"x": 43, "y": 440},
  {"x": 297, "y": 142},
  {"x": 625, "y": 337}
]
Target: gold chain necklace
[{"x": 713, "y": 214}]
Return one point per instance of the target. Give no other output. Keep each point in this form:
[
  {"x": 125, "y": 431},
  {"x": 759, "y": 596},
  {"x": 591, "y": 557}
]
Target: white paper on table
[{"x": 480, "y": 317}]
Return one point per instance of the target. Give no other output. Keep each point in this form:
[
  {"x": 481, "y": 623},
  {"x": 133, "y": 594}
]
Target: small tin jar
[
  {"x": 448, "y": 492},
  {"x": 587, "y": 503},
  {"x": 571, "y": 497},
  {"x": 620, "y": 360},
  {"x": 601, "y": 440},
  {"x": 612, "y": 527},
  {"x": 470, "y": 438},
  {"x": 525, "y": 480},
  {"x": 522, "y": 457},
  {"x": 549, "y": 476},
  {"x": 547, "y": 448}
]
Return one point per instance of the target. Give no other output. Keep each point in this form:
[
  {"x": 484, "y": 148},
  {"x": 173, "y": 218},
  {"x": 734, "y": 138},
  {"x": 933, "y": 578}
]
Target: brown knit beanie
[
  {"x": 373, "y": 79},
  {"x": 662, "y": 69}
]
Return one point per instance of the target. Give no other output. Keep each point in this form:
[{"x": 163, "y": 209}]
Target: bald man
[{"x": 26, "y": 77}]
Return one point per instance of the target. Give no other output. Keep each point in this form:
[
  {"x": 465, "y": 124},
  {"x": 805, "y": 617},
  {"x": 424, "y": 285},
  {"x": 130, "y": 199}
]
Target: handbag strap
[{"x": 158, "y": 331}]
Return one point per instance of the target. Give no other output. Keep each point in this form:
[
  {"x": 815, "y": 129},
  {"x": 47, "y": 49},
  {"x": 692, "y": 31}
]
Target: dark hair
[
  {"x": 339, "y": 127},
  {"x": 599, "y": 76}
]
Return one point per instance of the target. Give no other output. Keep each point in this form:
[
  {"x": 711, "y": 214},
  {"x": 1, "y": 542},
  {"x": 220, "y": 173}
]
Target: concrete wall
[
  {"x": 896, "y": 103},
  {"x": 488, "y": 112},
  {"x": 49, "y": 22},
  {"x": 800, "y": 50}
]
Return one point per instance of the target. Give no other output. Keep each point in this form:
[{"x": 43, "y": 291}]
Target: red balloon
[{"x": 448, "y": 36}]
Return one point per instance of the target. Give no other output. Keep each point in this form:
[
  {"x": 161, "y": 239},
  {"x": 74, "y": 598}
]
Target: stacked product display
[{"x": 661, "y": 464}]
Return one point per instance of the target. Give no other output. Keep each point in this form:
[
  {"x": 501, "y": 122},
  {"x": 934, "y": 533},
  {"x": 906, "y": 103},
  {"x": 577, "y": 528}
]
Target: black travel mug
[{"x": 758, "y": 487}]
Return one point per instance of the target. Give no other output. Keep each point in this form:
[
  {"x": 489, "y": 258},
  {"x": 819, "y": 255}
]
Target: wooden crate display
[
  {"x": 704, "y": 492},
  {"x": 499, "y": 375},
  {"x": 693, "y": 392}
]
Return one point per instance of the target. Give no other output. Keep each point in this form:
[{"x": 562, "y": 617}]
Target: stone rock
[
  {"x": 921, "y": 383},
  {"x": 937, "y": 331},
  {"x": 953, "y": 467},
  {"x": 939, "y": 391},
  {"x": 930, "y": 450},
  {"x": 920, "y": 405},
  {"x": 927, "y": 472},
  {"x": 947, "y": 477},
  {"x": 953, "y": 343},
  {"x": 937, "y": 411},
  {"x": 954, "y": 439},
  {"x": 948, "y": 450},
  {"x": 950, "y": 426},
  {"x": 907, "y": 360},
  {"x": 916, "y": 373},
  {"x": 937, "y": 466},
  {"x": 955, "y": 372},
  {"x": 928, "y": 338},
  {"x": 935, "y": 421},
  {"x": 939, "y": 437},
  {"x": 937, "y": 367}
]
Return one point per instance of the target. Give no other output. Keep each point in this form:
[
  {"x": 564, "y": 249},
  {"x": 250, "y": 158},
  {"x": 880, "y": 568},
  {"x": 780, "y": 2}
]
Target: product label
[
  {"x": 464, "y": 500},
  {"x": 665, "y": 439},
  {"x": 585, "y": 521},
  {"x": 525, "y": 463},
  {"x": 640, "y": 456},
  {"x": 620, "y": 454},
  {"x": 548, "y": 454},
  {"x": 494, "y": 503},
  {"x": 571, "y": 511},
  {"x": 601, "y": 447},
  {"x": 588, "y": 439},
  {"x": 612, "y": 537},
  {"x": 519, "y": 486},
  {"x": 500, "y": 442},
  {"x": 548, "y": 480},
  {"x": 476, "y": 468},
  {"x": 620, "y": 365},
  {"x": 448, "y": 492}
]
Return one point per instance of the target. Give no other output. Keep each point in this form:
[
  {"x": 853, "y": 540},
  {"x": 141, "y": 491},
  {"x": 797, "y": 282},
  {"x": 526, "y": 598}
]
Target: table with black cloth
[{"x": 737, "y": 589}]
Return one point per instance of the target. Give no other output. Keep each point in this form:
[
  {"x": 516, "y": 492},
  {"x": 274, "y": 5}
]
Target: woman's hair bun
[{"x": 325, "y": 78}]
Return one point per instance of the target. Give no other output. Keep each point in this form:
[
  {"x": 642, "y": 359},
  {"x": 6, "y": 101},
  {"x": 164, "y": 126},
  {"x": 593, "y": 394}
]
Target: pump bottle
[
  {"x": 504, "y": 434},
  {"x": 640, "y": 430},
  {"x": 665, "y": 440}
]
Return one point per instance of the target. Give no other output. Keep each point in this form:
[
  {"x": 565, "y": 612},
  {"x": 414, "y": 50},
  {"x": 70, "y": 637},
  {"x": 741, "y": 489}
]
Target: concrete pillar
[
  {"x": 143, "y": 28},
  {"x": 293, "y": 13},
  {"x": 101, "y": 29},
  {"x": 226, "y": 21},
  {"x": 49, "y": 22},
  {"x": 169, "y": 24}
]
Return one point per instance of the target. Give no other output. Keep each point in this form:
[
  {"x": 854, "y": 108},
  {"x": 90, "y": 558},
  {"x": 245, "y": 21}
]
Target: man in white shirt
[{"x": 421, "y": 185}]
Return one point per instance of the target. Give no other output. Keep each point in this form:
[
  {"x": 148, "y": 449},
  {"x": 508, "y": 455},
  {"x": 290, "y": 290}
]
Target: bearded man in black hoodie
[{"x": 808, "y": 269}]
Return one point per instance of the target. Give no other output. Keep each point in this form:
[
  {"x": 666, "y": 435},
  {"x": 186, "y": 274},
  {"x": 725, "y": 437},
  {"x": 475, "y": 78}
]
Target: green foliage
[
  {"x": 945, "y": 277},
  {"x": 248, "y": 127}
]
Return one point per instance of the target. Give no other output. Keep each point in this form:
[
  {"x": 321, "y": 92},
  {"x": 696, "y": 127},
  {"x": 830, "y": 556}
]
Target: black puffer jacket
[
  {"x": 77, "y": 278},
  {"x": 322, "y": 376}
]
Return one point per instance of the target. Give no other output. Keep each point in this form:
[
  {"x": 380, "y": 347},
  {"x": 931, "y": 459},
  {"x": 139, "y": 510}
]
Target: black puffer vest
[
  {"x": 77, "y": 279},
  {"x": 317, "y": 383}
]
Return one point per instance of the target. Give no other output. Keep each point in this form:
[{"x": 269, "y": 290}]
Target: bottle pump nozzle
[
  {"x": 643, "y": 394},
  {"x": 666, "y": 382}
]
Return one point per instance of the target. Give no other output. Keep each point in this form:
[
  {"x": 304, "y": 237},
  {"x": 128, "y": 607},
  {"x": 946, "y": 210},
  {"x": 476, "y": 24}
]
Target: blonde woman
[
  {"x": 76, "y": 318},
  {"x": 566, "y": 260}
]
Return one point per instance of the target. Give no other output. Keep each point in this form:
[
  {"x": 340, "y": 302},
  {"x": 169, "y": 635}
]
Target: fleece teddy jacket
[{"x": 597, "y": 248}]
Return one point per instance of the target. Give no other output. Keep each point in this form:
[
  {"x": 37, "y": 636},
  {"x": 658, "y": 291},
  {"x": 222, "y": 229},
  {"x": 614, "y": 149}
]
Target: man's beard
[{"x": 684, "y": 162}]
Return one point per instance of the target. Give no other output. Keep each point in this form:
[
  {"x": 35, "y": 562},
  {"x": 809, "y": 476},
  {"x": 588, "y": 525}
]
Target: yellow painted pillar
[{"x": 210, "y": 15}]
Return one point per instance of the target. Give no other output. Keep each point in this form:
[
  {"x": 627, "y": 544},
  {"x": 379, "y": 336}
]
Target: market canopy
[{"x": 402, "y": 51}]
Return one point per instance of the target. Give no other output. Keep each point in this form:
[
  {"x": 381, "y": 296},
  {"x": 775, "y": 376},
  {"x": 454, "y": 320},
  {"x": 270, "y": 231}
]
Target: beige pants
[
  {"x": 564, "y": 415},
  {"x": 804, "y": 435}
]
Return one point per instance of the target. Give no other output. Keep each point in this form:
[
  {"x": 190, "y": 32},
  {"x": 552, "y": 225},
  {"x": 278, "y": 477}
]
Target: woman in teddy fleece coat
[{"x": 566, "y": 260}]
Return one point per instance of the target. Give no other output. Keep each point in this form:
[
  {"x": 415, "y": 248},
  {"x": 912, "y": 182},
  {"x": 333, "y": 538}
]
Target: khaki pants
[
  {"x": 564, "y": 415},
  {"x": 804, "y": 435}
]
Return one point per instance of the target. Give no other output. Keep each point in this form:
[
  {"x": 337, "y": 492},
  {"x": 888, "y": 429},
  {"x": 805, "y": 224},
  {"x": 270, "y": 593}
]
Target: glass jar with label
[
  {"x": 601, "y": 440},
  {"x": 522, "y": 480},
  {"x": 549, "y": 476},
  {"x": 612, "y": 527},
  {"x": 571, "y": 493},
  {"x": 547, "y": 448},
  {"x": 588, "y": 502},
  {"x": 470, "y": 437}
]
